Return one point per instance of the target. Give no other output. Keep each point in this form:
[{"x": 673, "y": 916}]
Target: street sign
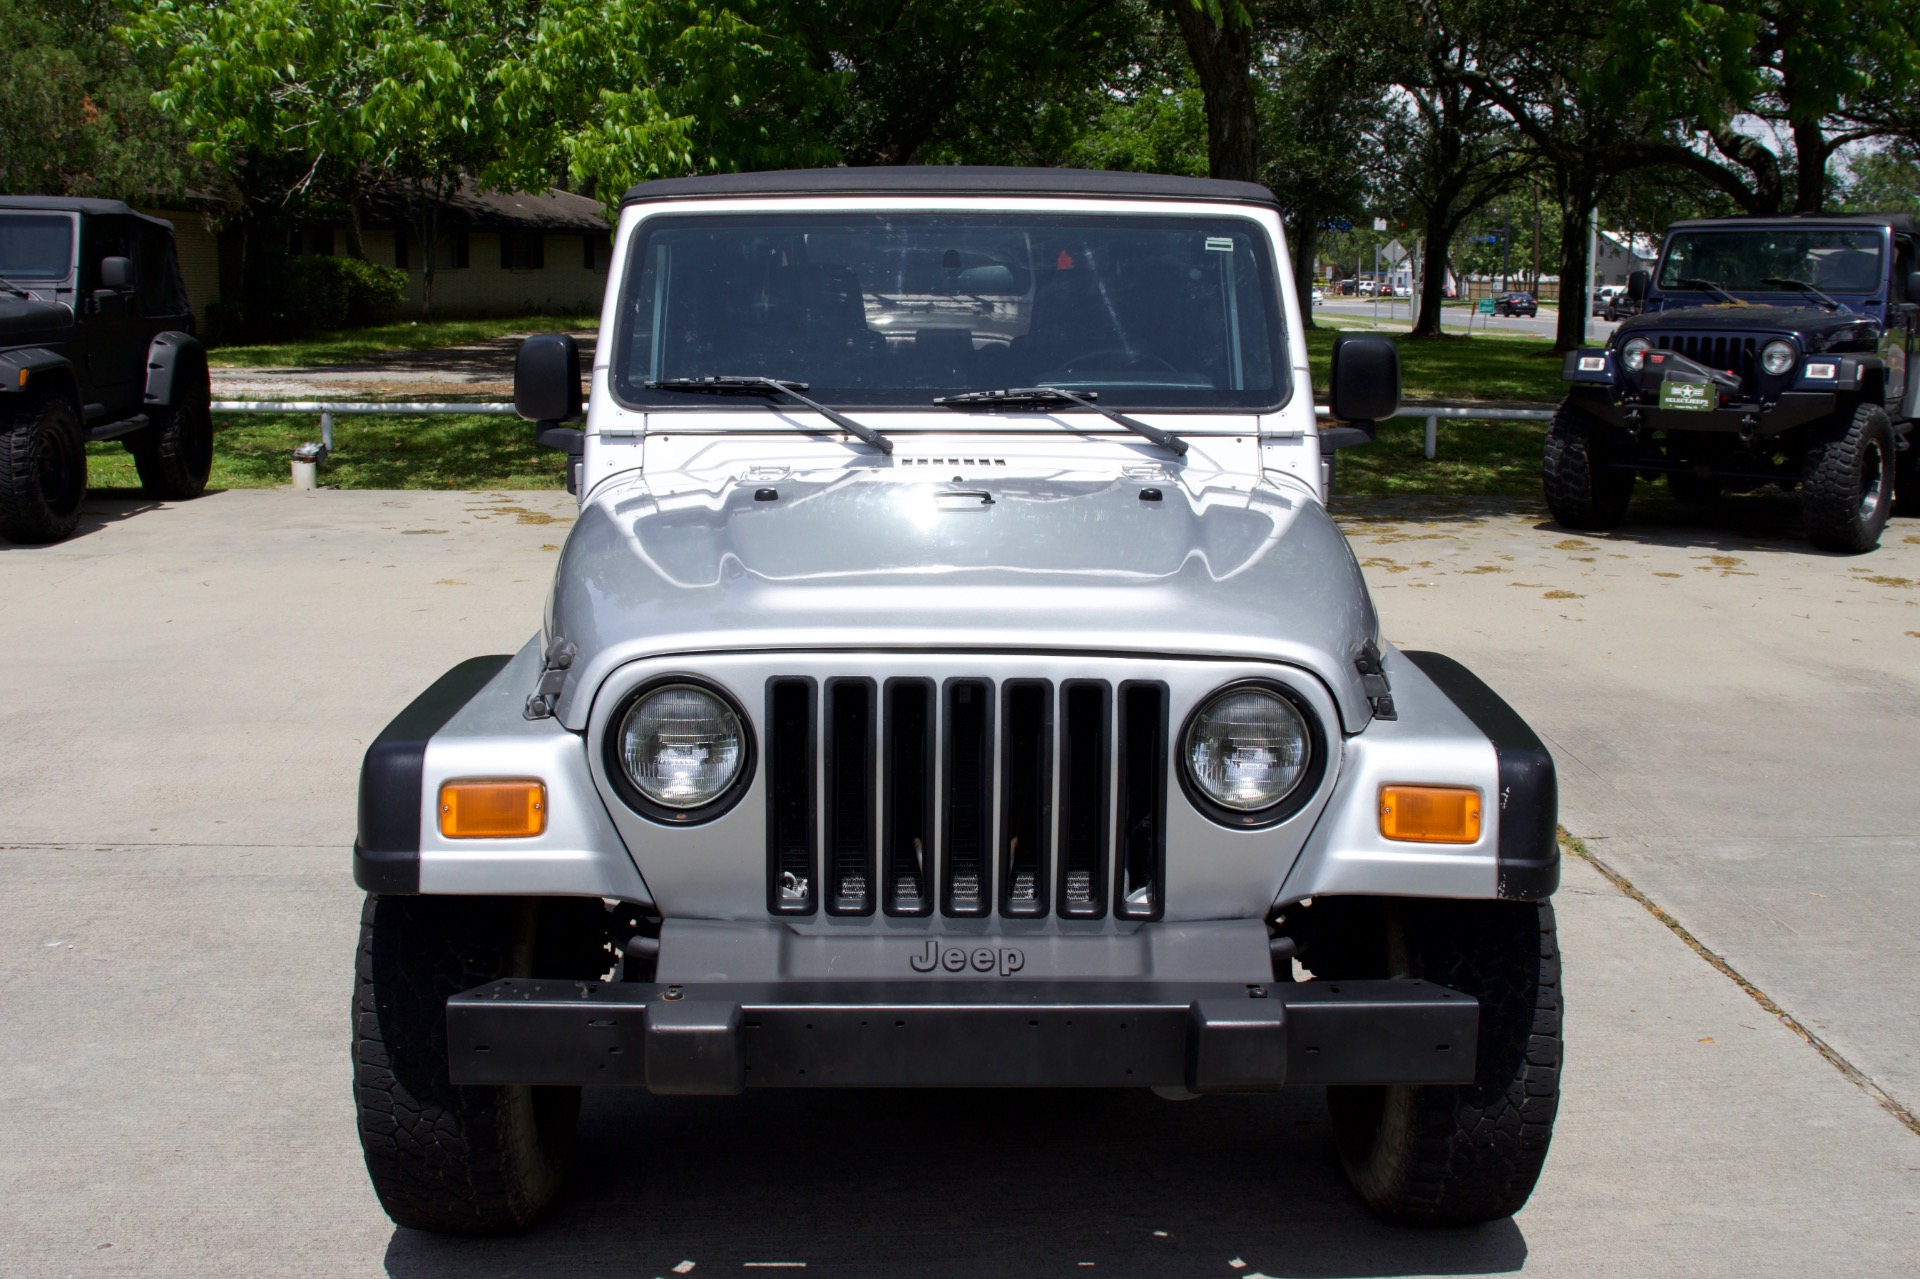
[
  {"x": 1395, "y": 253},
  {"x": 1486, "y": 306}
]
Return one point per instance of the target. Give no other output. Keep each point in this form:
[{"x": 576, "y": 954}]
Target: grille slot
[
  {"x": 1140, "y": 861},
  {"x": 1018, "y": 797},
  {"x": 966, "y": 869},
  {"x": 790, "y": 790},
  {"x": 908, "y": 760},
  {"x": 1724, "y": 354},
  {"x": 1086, "y": 715},
  {"x": 1026, "y": 809},
  {"x": 850, "y": 796}
]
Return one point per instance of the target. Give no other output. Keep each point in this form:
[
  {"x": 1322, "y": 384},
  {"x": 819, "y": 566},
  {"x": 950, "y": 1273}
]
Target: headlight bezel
[
  {"x": 645, "y": 805},
  {"x": 1791, "y": 357},
  {"x": 1633, "y": 353},
  {"x": 1288, "y": 805}
]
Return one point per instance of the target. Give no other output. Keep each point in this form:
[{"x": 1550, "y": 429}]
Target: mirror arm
[{"x": 570, "y": 440}]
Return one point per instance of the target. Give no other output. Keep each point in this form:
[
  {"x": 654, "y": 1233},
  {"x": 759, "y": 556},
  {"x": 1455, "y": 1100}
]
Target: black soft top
[
  {"x": 950, "y": 179},
  {"x": 77, "y": 204},
  {"x": 1904, "y": 223}
]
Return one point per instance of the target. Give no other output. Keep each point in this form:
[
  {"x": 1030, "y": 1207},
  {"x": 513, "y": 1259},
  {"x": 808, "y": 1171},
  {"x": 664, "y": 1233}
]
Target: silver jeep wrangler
[{"x": 954, "y": 679}]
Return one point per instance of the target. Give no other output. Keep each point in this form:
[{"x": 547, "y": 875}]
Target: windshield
[
  {"x": 1743, "y": 259},
  {"x": 898, "y": 308},
  {"x": 36, "y": 246}
]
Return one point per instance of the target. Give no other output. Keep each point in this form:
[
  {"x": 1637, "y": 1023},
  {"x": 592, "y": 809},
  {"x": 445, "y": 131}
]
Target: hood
[
  {"x": 24, "y": 320},
  {"x": 1726, "y": 317},
  {"x": 871, "y": 560}
]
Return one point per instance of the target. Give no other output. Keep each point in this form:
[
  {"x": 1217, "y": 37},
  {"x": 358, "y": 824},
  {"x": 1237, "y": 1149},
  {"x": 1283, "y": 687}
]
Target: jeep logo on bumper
[{"x": 955, "y": 959}]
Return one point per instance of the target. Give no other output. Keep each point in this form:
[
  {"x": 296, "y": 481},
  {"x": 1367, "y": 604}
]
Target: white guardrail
[{"x": 317, "y": 453}]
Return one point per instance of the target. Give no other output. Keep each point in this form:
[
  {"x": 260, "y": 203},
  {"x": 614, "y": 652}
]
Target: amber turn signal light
[
  {"x": 1430, "y": 814},
  {"x": 493, "y": 808}
]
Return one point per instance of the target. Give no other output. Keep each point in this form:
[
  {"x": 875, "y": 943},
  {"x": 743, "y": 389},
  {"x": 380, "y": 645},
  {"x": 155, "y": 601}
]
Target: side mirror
[
  {"x": 1913, "y": 286},
  {"x": 116, "y": 273},
  {"x": 1637, "y": 285},
  {"x": 546, "y": 379},
  {"x": 1365, "y": 380}
]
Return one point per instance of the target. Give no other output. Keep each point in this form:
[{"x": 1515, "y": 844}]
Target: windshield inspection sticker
[
  {"x": 1219, "y": 244},
  {"x": 1693, "y": 396}
]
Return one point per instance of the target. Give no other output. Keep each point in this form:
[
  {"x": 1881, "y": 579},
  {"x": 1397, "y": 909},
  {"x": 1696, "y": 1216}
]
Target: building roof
[
  {"x": 1905, "y": 223},
  {"x": 949, "y": 180},
  {"x": 76, "y": 204},
  {"x": 468, "y": 210}
]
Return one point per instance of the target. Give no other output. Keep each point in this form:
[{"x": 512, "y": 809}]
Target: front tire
[
  {"x": 1450, "y": 1154},
  {"x": 1582, "y": 490},
  {"x": 174, "y": 456},
  {"x": 1847, "y": 491},
  {"x": 43, "y": 471},
  {"x": 443, "y": 1157}
]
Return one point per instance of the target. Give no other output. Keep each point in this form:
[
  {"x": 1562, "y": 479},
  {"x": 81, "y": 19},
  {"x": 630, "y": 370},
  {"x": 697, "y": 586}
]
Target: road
[
  {"x": 1398, "y": 313},
  {"x": 1735, "y": 718}
]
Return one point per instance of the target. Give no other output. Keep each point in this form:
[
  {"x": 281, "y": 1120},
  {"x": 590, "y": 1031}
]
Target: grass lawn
[
  {"x": 1474, "y": 459},
  {"x": 1460, "y": 368},
  {"x": 352, "y": 345},
  {"x": 255, "y": 450}
]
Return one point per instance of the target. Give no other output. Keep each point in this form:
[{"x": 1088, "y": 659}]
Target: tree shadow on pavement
[{"x": 965, "y": 1184}]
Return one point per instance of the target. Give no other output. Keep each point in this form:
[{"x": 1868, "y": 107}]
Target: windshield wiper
[
  {"x": 1039, "y": 396},
  {"x": 725, "y": 385},
  {"x": 1705, "y": 286},
  {"x": 1801, "y": 286},
  {"x": 13, "y": 288}
]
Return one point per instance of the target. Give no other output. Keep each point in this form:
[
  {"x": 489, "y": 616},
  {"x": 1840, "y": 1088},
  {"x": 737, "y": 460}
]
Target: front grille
[
  {"x": 1716, "y": 351},
  {"x": 1047, "y": 798}
]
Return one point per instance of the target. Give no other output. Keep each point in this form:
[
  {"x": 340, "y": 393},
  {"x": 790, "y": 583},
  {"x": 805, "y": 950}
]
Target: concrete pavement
[{"x": 193, "y": 686}]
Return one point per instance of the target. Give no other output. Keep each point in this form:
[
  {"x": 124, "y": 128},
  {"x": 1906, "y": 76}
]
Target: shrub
[{"x": 309, "y": 294}]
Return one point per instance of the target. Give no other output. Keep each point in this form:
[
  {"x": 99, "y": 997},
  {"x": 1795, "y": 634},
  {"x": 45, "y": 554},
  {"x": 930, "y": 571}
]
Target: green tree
[{"x": 75, "y": 118}]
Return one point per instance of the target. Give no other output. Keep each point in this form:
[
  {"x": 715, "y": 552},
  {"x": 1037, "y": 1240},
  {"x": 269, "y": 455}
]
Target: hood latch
[
  {"x": 1373, "y": 680},
  {"x": 553, "y": 678}
]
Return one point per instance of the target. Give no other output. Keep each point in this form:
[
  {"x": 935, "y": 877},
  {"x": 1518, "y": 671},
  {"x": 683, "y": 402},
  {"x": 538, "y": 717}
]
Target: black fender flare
[
  {"x": 28, "y": 368},
  {"x": 177, "y": 371}
]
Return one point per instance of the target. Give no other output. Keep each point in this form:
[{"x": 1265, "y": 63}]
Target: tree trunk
[
  {"x": 1440, "y": 230},
  {"x": 356, "y": 240},
  {"x": 1576, "y": 201},
  {"x": 1810, "y": 152},
  {"x": 1222, "y": 53},
  {"x": 1302, "y": 239}
]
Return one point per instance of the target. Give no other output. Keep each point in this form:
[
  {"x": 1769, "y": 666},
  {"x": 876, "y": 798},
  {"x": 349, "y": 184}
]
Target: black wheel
[
  {"x": 43, "y": 471},
  {"x": 1846, "y": 489},
  {"x": 1693, "y": 489},
  {"x": 1582, "y": 490},
  {"x": 175, "y": 455},
  {"x": 455, "y": 1159},
  {"x": 1456, "y": 1154}
]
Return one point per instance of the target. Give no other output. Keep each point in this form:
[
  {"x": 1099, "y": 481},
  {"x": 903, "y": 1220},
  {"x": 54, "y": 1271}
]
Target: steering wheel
[{"x": 1114, "y": 357}]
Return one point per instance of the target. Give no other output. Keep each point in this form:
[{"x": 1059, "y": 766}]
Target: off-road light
[
  {"x": 681, "y": 745},
  {"x": 1777, "y": 357},
  {"x": 493, "y": 808},
  {"x": 1247, "y": 749},
  {"x": 1593, "y": 364},
  {"x": 1633, "y": 353},
  {"x": 1822, "y": 372},
  {"x": 1430, "y": 814}
]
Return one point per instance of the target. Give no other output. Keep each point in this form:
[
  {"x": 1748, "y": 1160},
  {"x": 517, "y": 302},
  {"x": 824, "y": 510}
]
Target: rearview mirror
[
  {"x": 546, "y": 379},
  {"x": 1365, "y": 379},
  {"x": 116, "y": 273},
  {"x": 1637, "y": 285}
]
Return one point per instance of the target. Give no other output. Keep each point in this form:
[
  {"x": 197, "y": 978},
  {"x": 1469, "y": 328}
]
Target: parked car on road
[
  {"x": 954, "y": 679},
  {"x": 96, "y": 343},
  {"x": 1603, "y": 297},
  {"x": 1768, "y": 352},
  {"x": 1515, "y": 304},
  {"x": 1319, "y": 296}
]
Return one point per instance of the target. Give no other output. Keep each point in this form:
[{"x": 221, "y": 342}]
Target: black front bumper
[
  {"x": 1750, "y": 417},
  {"x": 1201, "y": 1036}
]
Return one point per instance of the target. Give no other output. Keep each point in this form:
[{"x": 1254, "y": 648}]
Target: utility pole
[
  {"x": 1506, "y": 250},
  {"x": 1593, "y": 266}
]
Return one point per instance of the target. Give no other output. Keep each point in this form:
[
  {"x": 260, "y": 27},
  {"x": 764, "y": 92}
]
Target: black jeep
[
  {"x": 96, "y": 343},
  {"x": 1768, "y": 351}
]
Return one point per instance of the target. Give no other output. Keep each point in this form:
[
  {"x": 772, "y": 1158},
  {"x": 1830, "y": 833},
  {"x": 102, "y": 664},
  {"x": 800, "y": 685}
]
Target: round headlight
[
  {"x": 681, "y": 746},
  {"x": 1777, "y": 357},
  {"x": 1247, "y": 749},
  {"x": 1633, "y": 353}
]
